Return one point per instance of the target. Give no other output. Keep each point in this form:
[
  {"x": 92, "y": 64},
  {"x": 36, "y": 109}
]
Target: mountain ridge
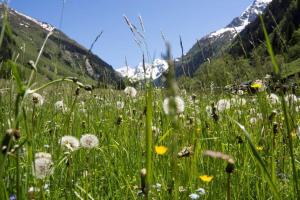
[
  {"x": 62, "y": 55},
  {"x": 215, "y": 42}
]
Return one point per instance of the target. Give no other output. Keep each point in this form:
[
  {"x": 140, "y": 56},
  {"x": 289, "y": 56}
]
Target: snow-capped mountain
[
  {"x": 152, "y": 71},
  {"x": 214, "y": 43},
  {"x": 126, "y": 71},
  {"x": 239, "y": 23},
  {"x": 44, "y": 25}
]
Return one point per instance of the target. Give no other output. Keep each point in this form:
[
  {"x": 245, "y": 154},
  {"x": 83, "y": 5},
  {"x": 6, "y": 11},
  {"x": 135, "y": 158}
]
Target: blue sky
[{"x": 83, "y": 20}]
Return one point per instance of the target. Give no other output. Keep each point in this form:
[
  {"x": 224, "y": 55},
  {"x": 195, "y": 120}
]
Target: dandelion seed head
[
  {"x": 37, "y": 99},
  {"x": 201, "y": 191},
  {"x": 60, "y": 106},
  {"x": 273, "y": 98},
  {"x": 194, "y": 196},
  {"x": 176, "y": 108},
  {"x": 130, "y": 91},
  {"x": 253, "y": 120},
  {"x": 42, "y": 166},
  {"x": 70, "y": 142},
  {"x": 89, "y": 141},
  {"x": 120, "y": 105},
  {"x": 223, "y": 104}
]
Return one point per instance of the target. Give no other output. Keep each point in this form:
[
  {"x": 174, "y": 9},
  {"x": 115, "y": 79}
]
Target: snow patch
[
  {"x": 239, "y": 24},
  {"x": 46, "y": 26},
  {"x": 151, "y": 71}
]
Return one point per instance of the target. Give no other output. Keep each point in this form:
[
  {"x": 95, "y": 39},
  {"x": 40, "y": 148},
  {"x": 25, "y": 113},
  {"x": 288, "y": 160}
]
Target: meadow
[
  {"x": 209, "y": 145},
  {"x": 64, "y": 139}
]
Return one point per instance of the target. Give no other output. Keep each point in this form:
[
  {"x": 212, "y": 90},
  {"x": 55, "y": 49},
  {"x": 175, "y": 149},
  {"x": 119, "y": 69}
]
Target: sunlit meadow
[{"x": 67, "y": 140}]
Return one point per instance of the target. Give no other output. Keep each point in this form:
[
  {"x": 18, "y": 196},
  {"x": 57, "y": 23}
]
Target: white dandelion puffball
[
  {"x": 130, "y": 91},
  {"x": 194, "y": 196},
  {"x": 37, "y": 99},
  {"x": 89, "y": 141},
  {"x": 273, "y": 98},
  {"x": 60, "y": 106},
  {"x": 120, "y": 105},
  {"x": 177, "y": 108},
  {"x": 42, "y": 166},
  {"x": 69, "y": 142},
  {"x": 253, "y": 120},
  {"x": 222, "y": 105},
  {"x": 201, "y": 191}
]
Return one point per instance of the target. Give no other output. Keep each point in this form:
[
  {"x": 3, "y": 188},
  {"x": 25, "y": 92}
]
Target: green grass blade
[
  {"x": 269, "y": 46},
  {"x": 259, "y": 161}
]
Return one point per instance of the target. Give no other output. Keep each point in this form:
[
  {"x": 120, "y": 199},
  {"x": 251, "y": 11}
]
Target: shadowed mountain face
[
  {"x": 214, "y": 43},
  {"x": 61, "y": 57}
]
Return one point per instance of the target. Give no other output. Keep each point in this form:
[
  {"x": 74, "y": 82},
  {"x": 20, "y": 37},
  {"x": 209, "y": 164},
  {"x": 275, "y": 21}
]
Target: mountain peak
[
  {"x": 239, "y": 23},
  {"x": 152, "y": 71}
]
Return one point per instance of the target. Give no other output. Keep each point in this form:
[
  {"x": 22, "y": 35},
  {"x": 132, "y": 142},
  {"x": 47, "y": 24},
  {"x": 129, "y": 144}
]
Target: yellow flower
[
  {"x": 259, "y": 148},
  {"x": 161, "y": 150},
  {"x": 256, "y": 85},
  {"x": 206, "y": 178}
]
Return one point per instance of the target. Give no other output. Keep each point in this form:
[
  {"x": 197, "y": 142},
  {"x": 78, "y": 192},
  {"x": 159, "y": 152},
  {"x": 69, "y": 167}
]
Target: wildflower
[
  {"x": 173, "y": 105},
  {"x": 42, "y": 165},
  {"x": 161, "y": 150},
  {"x": 201, "y": 191},
  {"x": 253, "y": 120},
  {"x": 60, "y": 106},
  {"x": 223, "y": 104},
  {"x": 194, "y": 196},
  {"x": 258, "y": 85},
  {"x": 37, "y": 99},
  {"x": 89, "y": 141},
  {"x": 273, "y": 98},
  {"x": 69, "y": 142},
  {"x": 120, "y": 105},
  {"x": 130, "y": 91},
  {"x": 13, "y": 197},
  {"x": 206, "y": 178},
  {"x": 259, "y": 148}
]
